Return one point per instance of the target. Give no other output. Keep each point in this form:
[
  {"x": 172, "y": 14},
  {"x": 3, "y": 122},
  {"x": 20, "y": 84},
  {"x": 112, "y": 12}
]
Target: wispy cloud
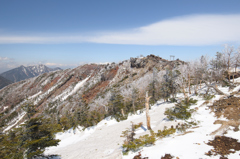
[
  {"x": 7, "y": 63},
  {"x": 32, "y": 39},
  {"x": 4, "y": 58},
  {"x": 63, "y": 66},
  {"x": 184, "y": 30},
  {"x": 54, "y": 64},
  {"x": 187, "y": 30}
]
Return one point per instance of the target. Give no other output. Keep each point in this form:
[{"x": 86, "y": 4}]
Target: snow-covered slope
[{"x": 104, "y": 141}]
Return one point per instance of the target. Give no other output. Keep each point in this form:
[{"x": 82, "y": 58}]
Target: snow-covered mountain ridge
[
  {"x": 62, "y": 93},
  {"x": 25, "y": 72}
]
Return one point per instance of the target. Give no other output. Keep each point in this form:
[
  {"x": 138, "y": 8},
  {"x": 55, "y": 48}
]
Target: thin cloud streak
[
  {"x": 4, "y": 58},
  {"x": 188, "y": 30},
  {"x": 60, "y": 65},
  {"x": 41, "y": 39},
  {"x": 55, "y": 64},
  {"x": 184, "y": 30}
]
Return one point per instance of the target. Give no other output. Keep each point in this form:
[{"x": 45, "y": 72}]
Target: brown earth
[
  {"x": 139, "y": 156},
  {"x": 49, "y": 85},
  {"x": 90, "y": 94},
  {"x": 167, "y": 156},
  {"x": 106, "y": 78},
  {"x": 228, "y": 107},
  {"x": 223, "y": 146}
]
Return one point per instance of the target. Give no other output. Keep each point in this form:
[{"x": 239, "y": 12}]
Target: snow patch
[
  {"x": 35, "y": 95},
  {"x": 68, "y": 93},
  {"x": 14, "y": 122}
]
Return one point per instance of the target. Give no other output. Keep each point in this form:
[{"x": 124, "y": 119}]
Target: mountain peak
[{"x": 24, "y": 72}]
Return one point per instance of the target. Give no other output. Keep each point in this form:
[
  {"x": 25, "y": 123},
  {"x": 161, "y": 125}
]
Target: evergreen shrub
[{"x": 181, "y": 110}]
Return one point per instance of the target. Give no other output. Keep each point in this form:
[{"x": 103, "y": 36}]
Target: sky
[{"x": 66, "y": 34}]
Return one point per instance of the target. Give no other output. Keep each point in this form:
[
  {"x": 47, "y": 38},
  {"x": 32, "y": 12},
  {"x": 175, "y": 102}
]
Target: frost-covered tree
[
  {"x": 236, "y": 61},
  {"x": 182, "y": 79},
  {"x": 102, "y": 101},
  {"x": 228, "y": 55},
  {"x": 218, "y": 67},
  {"x": 142, "y": 84},
  {"x": 195, "y": 74},
  {"x": 128, "y": 94},
  {"x": 202, "y": 72}
]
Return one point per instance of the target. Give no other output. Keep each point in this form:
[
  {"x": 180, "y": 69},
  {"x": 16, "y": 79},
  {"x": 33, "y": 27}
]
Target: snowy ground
[{"x": 104, "y": 141}]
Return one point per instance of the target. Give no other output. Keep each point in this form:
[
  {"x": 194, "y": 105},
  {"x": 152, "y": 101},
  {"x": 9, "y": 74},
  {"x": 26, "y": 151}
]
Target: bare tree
[{"x": 147, "y": 111}]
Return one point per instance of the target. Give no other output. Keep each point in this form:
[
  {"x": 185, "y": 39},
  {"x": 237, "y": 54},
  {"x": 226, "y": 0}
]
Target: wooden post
[{"x": 147, "y": 111}]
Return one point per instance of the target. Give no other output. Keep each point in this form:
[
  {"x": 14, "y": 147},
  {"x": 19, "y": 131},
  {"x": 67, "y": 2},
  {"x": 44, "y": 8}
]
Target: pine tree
[
  {"x": 82, "y": 114},
  {"x": 10, "y": 146},
  {"x": 65, "y": 123},
  {"x": 37, "y": 133},
  {"x": 168, "y": 85},
  {"x": 116, "y": 106}
]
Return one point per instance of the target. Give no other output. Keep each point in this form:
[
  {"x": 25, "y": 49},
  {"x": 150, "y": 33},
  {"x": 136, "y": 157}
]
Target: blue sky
[{"x": 69, "y": 33}]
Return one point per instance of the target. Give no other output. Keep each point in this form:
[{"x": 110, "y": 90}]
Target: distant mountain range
[
  {"x": 22, "y": 72},
  {"x": 4, "y": 82}
]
